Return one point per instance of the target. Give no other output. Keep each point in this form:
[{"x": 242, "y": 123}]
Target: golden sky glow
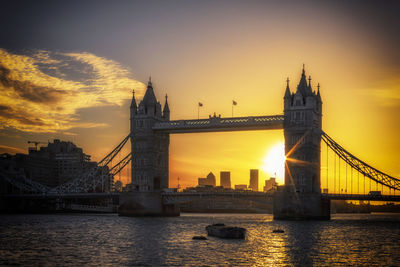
[{"x": 79, "y": 87}]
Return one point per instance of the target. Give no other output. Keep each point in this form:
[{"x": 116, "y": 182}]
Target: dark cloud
[
  {"x": 30, "y": 91},
  {"x": 20, "y": 116}
]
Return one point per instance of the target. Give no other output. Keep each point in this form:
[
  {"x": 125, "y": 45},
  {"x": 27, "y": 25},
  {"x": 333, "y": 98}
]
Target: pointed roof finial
[
  {"x": 287, "y": 91},
  {"x": 318, "y": 86},
  {"x": 133, "y": 103},
  {"x": 309, "y": 80},
  {"x": 149, "y": 82},
  {"x": 166, "y": 107},
  {"x": 304, "y": 69}
]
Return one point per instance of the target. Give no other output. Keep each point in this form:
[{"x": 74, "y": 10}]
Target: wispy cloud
[
  {"x": 10, "y": 149},
  {"x": 386, "y": 92},
  {"x": 42, "y": 91}
]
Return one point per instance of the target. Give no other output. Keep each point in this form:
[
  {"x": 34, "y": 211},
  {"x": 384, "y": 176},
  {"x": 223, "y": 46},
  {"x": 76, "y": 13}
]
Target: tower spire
[
  {"x": 133, "y": 103},
  {"x": 287, "y": 91},
  {"x": 166, "y": 112},
  {"x": 319, "y": 95}
]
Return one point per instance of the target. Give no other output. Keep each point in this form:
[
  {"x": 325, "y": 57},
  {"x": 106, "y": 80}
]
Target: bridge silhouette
[{"x": 302, "y": 126}]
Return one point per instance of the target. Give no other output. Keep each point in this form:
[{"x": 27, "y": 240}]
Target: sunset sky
[{"x": 67, "y": 70}]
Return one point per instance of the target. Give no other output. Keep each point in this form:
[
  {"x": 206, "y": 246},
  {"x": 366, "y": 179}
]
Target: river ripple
[{"x": 109, "y": 240}]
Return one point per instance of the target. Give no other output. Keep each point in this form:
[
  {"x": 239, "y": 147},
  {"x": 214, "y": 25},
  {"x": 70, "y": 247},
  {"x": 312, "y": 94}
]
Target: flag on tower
[
  {"x": 200, "y": 104},
  {"x": 234, "y": 102}
]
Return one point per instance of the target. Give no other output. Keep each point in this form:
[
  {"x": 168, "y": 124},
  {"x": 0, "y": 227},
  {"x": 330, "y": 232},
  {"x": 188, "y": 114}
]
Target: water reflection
[{"x": 72, "y": 240}]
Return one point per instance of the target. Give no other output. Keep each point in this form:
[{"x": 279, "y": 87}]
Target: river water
[{"x": 109, "y": 240}]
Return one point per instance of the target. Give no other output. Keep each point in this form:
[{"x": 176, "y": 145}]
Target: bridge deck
[
  {"x": 362, "y": 197},
  {"x": 218, "y": 124},
  {"x": 63, "y": 195}
]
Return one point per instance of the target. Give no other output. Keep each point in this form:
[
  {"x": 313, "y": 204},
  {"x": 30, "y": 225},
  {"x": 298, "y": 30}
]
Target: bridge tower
[
  {"x": 150, "y": 150},
  {"x": 301, "y": 196},
  {"x": 150, "y": 159}
]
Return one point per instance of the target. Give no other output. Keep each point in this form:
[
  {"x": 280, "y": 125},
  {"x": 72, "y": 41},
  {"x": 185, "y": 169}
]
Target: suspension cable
[
  {"x": 346, "y": 179},
  {"x": 327, "y": 184},
  {"x": 360, "y": 165},
  {"x": 339, "y": 176},
  {"x": 334, "y": 174}
]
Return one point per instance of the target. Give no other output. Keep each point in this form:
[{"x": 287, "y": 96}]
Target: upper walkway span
[{"x": 218, "y": 124}]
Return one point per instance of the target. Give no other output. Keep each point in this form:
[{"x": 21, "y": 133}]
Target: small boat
[
  {"x": 199, "y": 237},
  {"x": 278, "y": 231},
  {"x": 222, "y": 231}
]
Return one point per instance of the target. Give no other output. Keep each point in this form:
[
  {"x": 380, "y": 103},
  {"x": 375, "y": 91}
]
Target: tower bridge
[{"x": 300, "y": 198}]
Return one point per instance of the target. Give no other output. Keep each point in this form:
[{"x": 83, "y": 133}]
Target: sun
[{"x": 274, "y": 162}]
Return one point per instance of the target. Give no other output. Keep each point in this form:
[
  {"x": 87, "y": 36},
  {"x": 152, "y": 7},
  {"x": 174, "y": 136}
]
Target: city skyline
[{"x": 76, "y": 86}]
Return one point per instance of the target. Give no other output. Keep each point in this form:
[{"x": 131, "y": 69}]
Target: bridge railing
[{"x": 218, "y": 122}]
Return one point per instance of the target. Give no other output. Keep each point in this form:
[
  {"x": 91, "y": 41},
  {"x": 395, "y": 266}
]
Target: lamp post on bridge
[{"x": 234, "y": 103}]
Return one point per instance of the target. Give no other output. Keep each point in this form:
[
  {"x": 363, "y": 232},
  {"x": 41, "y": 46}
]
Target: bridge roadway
[
  {"x": 63, "y": 195},
  {"x": 369, "y": 197},
  {"x": 172, "y": 198},
  {"x": 169, "y": 198},
  {"x": 218, "y": 124}
]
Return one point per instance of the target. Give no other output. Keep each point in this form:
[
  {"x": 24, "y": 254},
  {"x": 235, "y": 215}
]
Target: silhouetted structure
[
  {"x": 254, "y": 180},
  {"x": 270, "y": 184},
  {"x": 55, "y": 164},
  {"x": 301, "y": 197},
  {"x": 59, "y": 162},
  {"x": 240, "y": 186},
  {"x": 225, "y": 179},
  {"x": 208, "y": 181}
]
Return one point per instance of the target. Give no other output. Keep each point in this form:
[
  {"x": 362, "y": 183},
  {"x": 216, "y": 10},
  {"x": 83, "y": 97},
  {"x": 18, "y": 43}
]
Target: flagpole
[
  {"x": 198, "y": 109},
  {"x": 232, "y": 109}
]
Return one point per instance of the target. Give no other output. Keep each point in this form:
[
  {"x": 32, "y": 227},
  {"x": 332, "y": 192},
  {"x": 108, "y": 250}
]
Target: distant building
[
  {"x": 55, "y": 164},
  {"x": 202, "y": 181},
  {"x": 209, "y": 180},
  {"x": 241, "y": 187},
  {"x": 270, "y": 184},
  {"x": 254, "y": 180},
  {"x": 225, "y": 179}
]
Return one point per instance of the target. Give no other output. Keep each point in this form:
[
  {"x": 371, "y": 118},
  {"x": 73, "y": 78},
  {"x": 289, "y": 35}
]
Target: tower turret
[
  {"x": 133, "y": 104},
  {"x": 166, "y": 112},
  {"x": 303, "y": 87},
  {"x": 148, "y": 105},
  {"x": 310, "y": 97},
  {"x": 288, "y": 96}
]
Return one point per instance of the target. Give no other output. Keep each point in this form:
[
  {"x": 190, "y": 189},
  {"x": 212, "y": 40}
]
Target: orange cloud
[
  {"x": 43, "y": 91},
  {"x": 10, "y": 149}
]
